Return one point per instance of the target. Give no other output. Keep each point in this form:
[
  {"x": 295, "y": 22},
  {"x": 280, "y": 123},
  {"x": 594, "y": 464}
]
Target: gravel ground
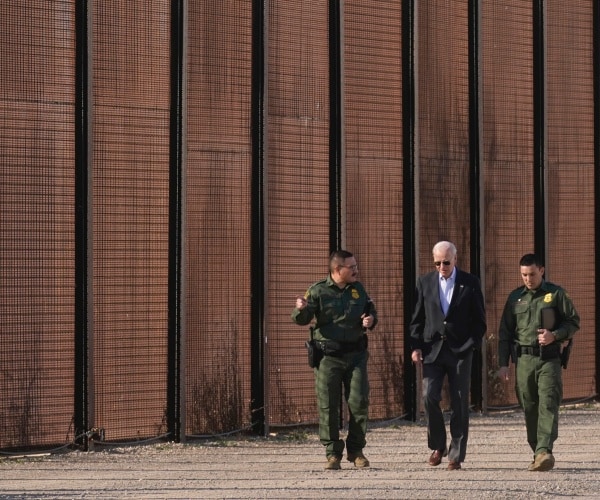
[{"x": 290, "y": 465}]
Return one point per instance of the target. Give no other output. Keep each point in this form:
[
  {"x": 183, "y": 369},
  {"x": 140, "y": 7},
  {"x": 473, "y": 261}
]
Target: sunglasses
[{"x": 440, "y": 262}]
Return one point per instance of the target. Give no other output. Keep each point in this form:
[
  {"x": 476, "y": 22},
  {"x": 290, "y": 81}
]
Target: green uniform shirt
[
  {"x": 522, "y": 317},
  {"x": 338, "y": 312}
]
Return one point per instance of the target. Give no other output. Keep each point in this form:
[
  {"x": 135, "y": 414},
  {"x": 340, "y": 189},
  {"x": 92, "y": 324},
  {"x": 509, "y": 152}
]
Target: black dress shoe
[
  {"x": 436, "y": 457},
  {"x": 452, "y": 465}
]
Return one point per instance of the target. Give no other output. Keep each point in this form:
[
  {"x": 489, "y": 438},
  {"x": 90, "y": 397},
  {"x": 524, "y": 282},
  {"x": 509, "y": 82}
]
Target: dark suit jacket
[{"x": 464, "y": 325}]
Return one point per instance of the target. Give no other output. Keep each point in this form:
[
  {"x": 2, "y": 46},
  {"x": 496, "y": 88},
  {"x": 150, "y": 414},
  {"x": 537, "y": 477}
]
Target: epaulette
[
  {"x": 316, "y": 283},
  {"x": 517, "y": 292},
  {"x": 551, "y": 286}
]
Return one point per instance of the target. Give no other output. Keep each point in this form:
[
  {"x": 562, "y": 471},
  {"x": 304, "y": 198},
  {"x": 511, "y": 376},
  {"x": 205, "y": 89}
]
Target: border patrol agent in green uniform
[
  {"x": 342, "y": 311},
  {"x": 533, "y": 342}
]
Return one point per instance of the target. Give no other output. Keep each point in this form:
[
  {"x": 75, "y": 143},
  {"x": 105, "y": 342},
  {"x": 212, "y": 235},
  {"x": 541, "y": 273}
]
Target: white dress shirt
[{"x": 446, "y": 289}]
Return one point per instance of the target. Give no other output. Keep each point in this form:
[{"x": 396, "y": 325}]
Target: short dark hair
[
  {"x": 531, "y": 259},
  {"x": 338, "y": 257}
]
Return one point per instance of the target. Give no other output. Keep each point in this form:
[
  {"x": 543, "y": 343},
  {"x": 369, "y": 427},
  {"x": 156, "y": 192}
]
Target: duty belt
[
  {"x": 546, "y": 352},
  {"x": 333, "y": 348},
  {"x": 533, "y": 351}
]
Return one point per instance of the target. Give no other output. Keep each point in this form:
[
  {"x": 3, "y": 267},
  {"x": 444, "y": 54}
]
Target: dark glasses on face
[{"x": 440, "y": 262}]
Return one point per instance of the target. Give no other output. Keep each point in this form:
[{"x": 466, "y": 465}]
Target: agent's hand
[
  {"x": 545, "y": 337},
  {"x": 301, "y": 303},
  {"x": 417, "y": 357},
  {"x": 503, "y": 373},
  {"x": 367, "y": 321}
]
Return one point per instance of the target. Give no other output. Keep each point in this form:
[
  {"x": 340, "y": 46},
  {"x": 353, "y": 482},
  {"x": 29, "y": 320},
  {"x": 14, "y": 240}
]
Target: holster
[
  {"x": 314, "y": 353},
  {"x": 565, "y": 354}
]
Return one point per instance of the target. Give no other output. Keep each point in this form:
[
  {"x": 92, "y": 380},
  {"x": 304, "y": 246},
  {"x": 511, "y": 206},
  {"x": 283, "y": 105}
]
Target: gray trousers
[{"x": 458, "y": 371}]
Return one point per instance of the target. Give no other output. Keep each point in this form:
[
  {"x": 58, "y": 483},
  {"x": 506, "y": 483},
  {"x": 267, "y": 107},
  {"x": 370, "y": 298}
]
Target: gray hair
[{"x": 443, "y": 246}]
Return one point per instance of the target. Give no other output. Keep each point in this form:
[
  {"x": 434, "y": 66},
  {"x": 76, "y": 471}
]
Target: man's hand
[
  {"x": 417, "y": 357},
  {"x": 367, "y": 321},
  {"x": 301, "y": 303},
  {"x": 503, "y": 373},
  {"x": 545, "y": 337}
]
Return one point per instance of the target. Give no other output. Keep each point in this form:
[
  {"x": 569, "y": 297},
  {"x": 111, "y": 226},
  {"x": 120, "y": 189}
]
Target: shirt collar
[{"x": 542, "y": 288}]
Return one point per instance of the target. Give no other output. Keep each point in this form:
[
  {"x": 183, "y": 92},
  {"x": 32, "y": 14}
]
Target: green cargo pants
[
  {"x": 539, "y": 390},
  {"x": 349, "y": 372}
]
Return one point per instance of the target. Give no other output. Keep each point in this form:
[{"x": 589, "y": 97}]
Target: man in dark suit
[{"x": 447, "y": 325}]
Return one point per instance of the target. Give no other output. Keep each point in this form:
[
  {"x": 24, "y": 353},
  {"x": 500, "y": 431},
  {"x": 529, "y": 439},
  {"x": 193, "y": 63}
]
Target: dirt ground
[{"x": 290, "y": 465}]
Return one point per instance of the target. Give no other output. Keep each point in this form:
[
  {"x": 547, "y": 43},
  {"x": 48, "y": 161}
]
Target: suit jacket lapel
[{"x": 459, "y": 288}]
